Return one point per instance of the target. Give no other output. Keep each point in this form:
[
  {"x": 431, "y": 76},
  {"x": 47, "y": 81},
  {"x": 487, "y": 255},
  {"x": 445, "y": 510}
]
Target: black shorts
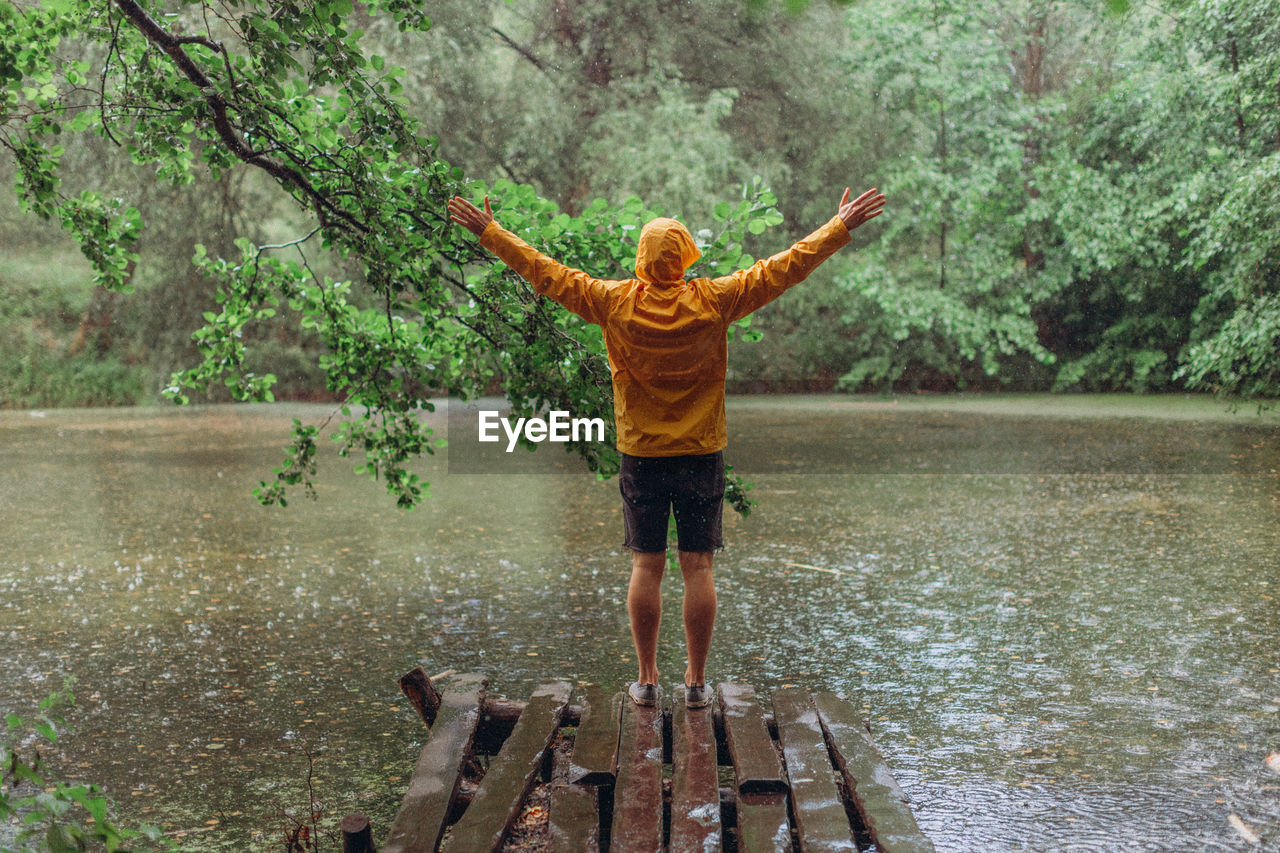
[{"x": 654, "y": 486}]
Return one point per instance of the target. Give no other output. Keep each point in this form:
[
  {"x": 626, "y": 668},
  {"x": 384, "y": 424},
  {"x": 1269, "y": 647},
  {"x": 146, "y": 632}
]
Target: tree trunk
[
  {"x": 944, "y": 205},
  {"x": 1033, "y": 88}
]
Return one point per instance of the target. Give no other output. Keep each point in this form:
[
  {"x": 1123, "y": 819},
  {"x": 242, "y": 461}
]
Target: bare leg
[
  {"x": 699, "y": 611},
  {"x": 644, "y": 605}
]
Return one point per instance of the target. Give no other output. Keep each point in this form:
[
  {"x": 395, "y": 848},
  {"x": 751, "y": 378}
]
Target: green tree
[
  {"x": 289, "y": 92},
  {"x": 1162, "y": 266},
  {"x": 945, "y": 297}
]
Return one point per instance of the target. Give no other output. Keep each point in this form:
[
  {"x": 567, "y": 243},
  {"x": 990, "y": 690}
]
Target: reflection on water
[{"x": 1060, "y": 626}]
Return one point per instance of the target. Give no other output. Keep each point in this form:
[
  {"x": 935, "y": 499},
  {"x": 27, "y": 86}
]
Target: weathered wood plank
[
  {"x": 420, "y": 821},
  {"x": 822, "y": 824},
  {"x": 595, "y": 744},
  {"x": 637, "y": 803},
  {"x": 485, "y": 823},
  {"x": 876, "y": 795},
  {"x": 762, "y": 823},
  {"x": 575, "y": 819},
  {"x": 755, "y": 761},
  {"x": 574, "y": 822},
  {"x": 695, "y": 788},
  {"x": 421, "y": 693}
]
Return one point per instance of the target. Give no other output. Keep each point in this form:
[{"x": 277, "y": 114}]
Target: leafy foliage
[
  {"x": 291, "y": 92},
  {"x": 1081, "y": 194},
  {"x": 57, "y": 816}
]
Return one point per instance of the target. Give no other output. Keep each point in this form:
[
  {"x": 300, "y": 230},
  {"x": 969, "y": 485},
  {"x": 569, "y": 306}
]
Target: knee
[
  {"x": 696, "y": 564},
  {"x": 649, "y": 566}
]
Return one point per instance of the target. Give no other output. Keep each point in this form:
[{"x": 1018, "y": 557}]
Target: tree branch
[
  {"x": 523, "y": 51},
  {"x": 173, "y": 46}
]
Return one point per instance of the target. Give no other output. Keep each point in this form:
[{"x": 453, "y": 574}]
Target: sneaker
[
  {"x": 644, "y": 695},
  {"x": 697, "y": 697}
]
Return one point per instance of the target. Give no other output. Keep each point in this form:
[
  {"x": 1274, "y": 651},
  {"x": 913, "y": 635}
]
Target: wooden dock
[{"x": 584, "y": 769}]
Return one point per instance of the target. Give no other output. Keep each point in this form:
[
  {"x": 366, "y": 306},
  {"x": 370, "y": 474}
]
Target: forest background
[{"x": 1082, "y": 195}]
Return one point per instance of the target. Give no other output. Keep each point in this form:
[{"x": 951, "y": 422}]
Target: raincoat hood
[{"x": 666, "y": 250}]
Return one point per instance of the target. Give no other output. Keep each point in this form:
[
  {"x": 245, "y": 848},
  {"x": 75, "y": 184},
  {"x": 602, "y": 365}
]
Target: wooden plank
[
  {"x": 575, "y": 819},
  {"x": 756, "y": 768},
  {"x": 876, "y": 795},
  {"x": 485, "y": 823},
  {"x": 637, "y": 803},
  {"x": 762, "y": 823},
  {"x": 421, "y": 693},
  {"x": 574, "y": 822},
  {"x": 595, "y": 744},
  {"x": 420, "y": 821},
  {"x": 695, "y": 788},
  {"x": 822, "y": 824}
]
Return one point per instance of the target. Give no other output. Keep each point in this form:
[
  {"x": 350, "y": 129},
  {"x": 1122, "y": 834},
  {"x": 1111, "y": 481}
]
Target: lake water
[{"x": 1059, "y": 615}]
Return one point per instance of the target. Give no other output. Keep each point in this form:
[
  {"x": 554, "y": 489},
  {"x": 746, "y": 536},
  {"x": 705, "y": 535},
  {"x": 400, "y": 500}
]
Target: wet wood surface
[
  {"x": 879, "y": 801},
  {"x": 805, "y": 776},
  {"x": 507, "y": 781},
  {"x": 756, "y": 767},
  {"x": 762, "y": 823},
  {"x": 595, "y": 744},
  {"x": 637, "y": 800},
  {"x": 822, "y": 825},
  {"x": 695, "y": 786},
  {"x": 357, "y": 835},
  {"x": 573, "y": 825},
  {"x": 422, "y": 694},
  {"x": 419, "y": 824}
]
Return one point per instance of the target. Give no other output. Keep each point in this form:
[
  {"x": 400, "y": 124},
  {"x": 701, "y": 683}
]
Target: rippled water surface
[{"x": 1059, "y": 616}]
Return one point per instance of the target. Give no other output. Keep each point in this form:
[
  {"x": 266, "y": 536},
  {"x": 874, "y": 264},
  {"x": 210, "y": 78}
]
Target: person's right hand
[
  {"x": 869, "y": 205},
  {"x": 473, "y": 218}
]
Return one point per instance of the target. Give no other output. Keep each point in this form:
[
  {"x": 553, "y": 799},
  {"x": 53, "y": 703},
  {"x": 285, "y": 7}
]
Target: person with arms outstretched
[{"x": 667, "y": 342}]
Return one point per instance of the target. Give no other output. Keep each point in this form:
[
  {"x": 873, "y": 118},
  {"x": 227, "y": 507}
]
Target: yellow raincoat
[{"x": 667, "y": 337}]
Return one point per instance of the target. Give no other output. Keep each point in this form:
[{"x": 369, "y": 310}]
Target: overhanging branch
[{"x": 173, "y": 46}]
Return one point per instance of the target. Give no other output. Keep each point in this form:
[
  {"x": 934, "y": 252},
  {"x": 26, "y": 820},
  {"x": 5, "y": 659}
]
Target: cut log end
[
  {"x": 421, "y": 693},
  {"x": 357, "y": 835}
]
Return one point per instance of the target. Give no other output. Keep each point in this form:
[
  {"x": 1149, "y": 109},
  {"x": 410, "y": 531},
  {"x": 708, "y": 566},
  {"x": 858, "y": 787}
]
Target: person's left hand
[{"x": 469, "y": 216}]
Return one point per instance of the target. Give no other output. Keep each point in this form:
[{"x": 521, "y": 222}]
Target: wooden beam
[
  {"x": 637, "y": 803},
  {"x": 496, "y": 804},
  {"x": 876, "y": 795},
  {"x": 755, "y": 760},
  {"x": 421, "y": 819},
  {"x": 822, "y": 824},
  {"x": 422, "y": 694},
  {"x": 574, "y": 823},
  {"x": 695, "y": 787},
  {"x": 499, "y": 713},
  {"x": 762, "y": 823},
  {"x": 595, "y": 744}
]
